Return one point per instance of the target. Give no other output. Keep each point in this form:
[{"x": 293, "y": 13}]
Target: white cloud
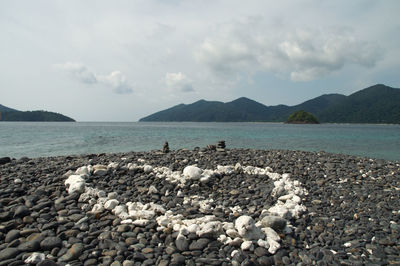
[
  {"x": 179, "y": 82},
  {"x": 116, "y": 80},
  {"x": 79, "y": 72},
  {"x": 301, "y": 54}
]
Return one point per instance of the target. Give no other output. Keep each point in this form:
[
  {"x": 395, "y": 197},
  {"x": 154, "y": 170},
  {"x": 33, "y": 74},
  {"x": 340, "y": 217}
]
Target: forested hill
[
  {"x": 375, "y": 104},
  {"x": 6, "y": 109},
  {"x": 9, "y": 114}
]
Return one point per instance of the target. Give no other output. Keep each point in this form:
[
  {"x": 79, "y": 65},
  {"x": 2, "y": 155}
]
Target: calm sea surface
[{"x": 34, "y": 139}]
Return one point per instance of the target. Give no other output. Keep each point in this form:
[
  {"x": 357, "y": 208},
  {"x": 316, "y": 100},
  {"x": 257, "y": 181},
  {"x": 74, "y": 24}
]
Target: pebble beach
[{"x": 200, "y": 207}]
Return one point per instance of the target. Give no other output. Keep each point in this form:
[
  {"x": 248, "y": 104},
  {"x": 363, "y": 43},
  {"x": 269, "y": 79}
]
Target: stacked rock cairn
[
  {"x": 165, "y": 147},
  {"x": 221, "y": 145}
]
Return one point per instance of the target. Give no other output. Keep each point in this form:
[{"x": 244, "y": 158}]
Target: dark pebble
[
  {"x": 29, "y": 246},
  {"x": 12, "y": 235},
  {"x": 51, "y": 242},
  {"x": 47, "y": 263},
  {"x": 21, "y": 211},
  {"x": 8, "y": 253},
  {"x": 4, "y": 160}
]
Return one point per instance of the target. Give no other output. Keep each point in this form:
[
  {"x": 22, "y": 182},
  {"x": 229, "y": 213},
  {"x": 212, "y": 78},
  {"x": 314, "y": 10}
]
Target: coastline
[{"x": 351, "y": 208}]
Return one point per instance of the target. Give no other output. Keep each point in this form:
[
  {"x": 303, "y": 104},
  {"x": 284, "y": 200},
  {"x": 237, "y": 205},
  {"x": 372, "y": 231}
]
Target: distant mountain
[
  {"x": 375, "y": 104},
  {"x": 9, "y": 114},
  {"x": 6, "y": 109}
]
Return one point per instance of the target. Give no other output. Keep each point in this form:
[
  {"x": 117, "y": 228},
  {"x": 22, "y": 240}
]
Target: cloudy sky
[{"x": 98, "y": 60}]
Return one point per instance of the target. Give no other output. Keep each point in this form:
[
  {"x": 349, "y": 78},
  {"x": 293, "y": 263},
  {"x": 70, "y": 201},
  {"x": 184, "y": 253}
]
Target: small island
[
  {"x": 302, "y": 117},
  {"x": 9, "y": 114}
]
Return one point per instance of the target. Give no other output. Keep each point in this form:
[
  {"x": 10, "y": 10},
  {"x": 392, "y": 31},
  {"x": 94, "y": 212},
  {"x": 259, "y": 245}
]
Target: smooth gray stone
[
  {"x": 51, "y": 242},
  {"x": 8, "y": 253},
  {"x": 29, "y": 246},
  {"x": 182, "y": 243},
  {"x": 177, "y": 259},
  {"x": 21, "y": 211},
  {"x": 12, "y": 235},
  {"x": 72, "y": 253},
  {"x": 47, "y": 263},
  {"x": 275, "y": 222},
  {"x": 199, "y": 244}
]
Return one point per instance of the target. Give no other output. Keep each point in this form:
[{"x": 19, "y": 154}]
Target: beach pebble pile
[{"x": 200, "y": 207}]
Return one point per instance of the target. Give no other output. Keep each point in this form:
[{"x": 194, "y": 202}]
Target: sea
[{"x": 42, "y": 139}]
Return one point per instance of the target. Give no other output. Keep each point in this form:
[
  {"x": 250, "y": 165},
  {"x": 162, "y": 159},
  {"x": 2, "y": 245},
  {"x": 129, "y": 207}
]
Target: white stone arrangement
[{"x": 245, "y": 232}]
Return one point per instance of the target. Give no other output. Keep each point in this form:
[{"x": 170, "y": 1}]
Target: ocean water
[{"x": 36, "y": 139}]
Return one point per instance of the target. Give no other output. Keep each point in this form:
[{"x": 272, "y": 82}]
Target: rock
[
  {"x": 90, "y": 262},
  {"x": 112, "y": 195},
  {"x": 192, "y": 172},
  {"x": 99, "y": 170},
  {"x": 181, "y": 243},
  {"x": 246, "y": 245},
  {"x": 170, "y": 250},
  {"x": 72, "y": 253},
  {"x": 236, "y": 242},
  {"x": 275, "y": 222},
  {"x": 47, "y": 262},
  {"x": 273, "y": 245},
  {"x": 128, "y": 263},
  {"x": 247, "y": 229},
  {"x": 177, "y": 259},
  {"x": 21, "y": 211},
  {"x": 11, "y": 235},
  {"x": 51, "y": 242},
  {"x": 30, "y": 246},
  {"x": 211, "y": 147},
  {"x": 271, "y": 234},
  {"x": 147, "y": 250},
  {"x": 165, "y": 147},
  {"x": 98, "y": 208},
  {"x": 8, "y": 253},
  {"x": 221, "y": 145},
  {"x": 35, "y": 258},
  {"x": 210, "y": 229},
  {"x": 260, "y": 251},
  {"x": 5, "y": 215},
  {"x": 147, "y": 168},
  {"x": 232, "y": 233},
  {"x": 152, "y": 190},
  {"x": 75, "y": 183},
  {"x": 4, "y": 160},
  {"x": 199, "y": 244},
  {"x": 84, "y": 170},
  {"x": 141, "y": 222},
  {"x": 123, "y": 228},
  {"x": 163, "y": 263},
  {"x": 111, "y": 204}
]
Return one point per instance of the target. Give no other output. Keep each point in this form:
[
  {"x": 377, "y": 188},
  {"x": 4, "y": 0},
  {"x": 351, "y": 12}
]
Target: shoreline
[
  {"x": 197, "y": 149},
  {"x": 351, "y": 216}
]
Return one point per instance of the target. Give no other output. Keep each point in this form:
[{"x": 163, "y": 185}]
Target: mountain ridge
[
  {"x": 10, "y": 114},
  {"x": 375, "y": 104},
  {"x": 6, "y": 109}
]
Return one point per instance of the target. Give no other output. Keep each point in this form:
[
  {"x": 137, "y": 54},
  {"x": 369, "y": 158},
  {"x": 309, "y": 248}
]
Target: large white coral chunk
[
  {"x": 192, "y": 172},
  {"x": 247, "y": 229},
  {"x": 76, "y": 184}
]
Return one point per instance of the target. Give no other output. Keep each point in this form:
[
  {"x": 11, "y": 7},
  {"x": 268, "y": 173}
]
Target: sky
[{"x": 121, "y": 60}]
